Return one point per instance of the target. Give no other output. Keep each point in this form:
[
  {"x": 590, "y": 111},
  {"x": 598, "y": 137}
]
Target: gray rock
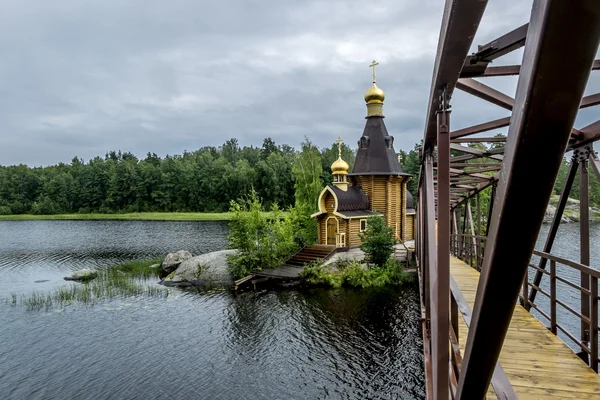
[
  {"x": 173, "y": 260},
  {"x": 82, "y": 275},
  {"x": 207, "y": 270},
  {"x": 549, "y": 215}
]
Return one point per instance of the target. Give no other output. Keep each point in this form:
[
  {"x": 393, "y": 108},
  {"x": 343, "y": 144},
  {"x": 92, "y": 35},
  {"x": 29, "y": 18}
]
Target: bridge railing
[
  {"x": 470, "y": 249},
  {"x": 587, "y": 316}
]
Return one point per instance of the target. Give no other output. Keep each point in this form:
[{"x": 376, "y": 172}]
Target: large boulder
[
  {"x": 174, "y": 260},
  {"x": 207, "y": 270},
  {"x": 82, "y": 275}
]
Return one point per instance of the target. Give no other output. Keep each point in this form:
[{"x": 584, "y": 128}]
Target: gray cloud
[{"x": 79, "y": 78}]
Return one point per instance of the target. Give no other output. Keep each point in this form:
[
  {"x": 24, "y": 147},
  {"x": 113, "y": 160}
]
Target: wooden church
[{"x": 376, "y": 185}]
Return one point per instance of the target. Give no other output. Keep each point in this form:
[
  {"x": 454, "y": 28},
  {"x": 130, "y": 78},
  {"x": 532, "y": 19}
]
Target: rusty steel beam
[
  {"x": 504, "y": 70},
  {"x": 460, "y": 21},
  {"x": 589, "y": 134},
  {"x": 452, "y": 164},
  {"x": 584, "y": 239},
  {"x": 590, "y": 101},
  {"x": 485, "y": 92},
  {"x": 560, "y": 208},
  {"x": 595, "y": 163},
  {"x": 511, "y": 41},
  {"x": 486, "y": 126},
  {"x": 562, "y": 41},
  {"x": 439, "y": 345},
  {"x": 476, "y": 63},
  {"x": 473, "y": 156},
  {"x": 441, "y": 291},
  {"x": 486, "y": 169},
  {"x": 498, "y": 139}
]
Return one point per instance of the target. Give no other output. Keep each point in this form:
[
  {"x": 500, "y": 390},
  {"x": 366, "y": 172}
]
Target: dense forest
[{"x": 205, "y": 180}]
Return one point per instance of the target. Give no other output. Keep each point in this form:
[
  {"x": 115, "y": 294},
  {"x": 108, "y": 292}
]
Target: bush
[
  {"x": 355, "y": 275},
  {"x": 262, "y": 242},
  {"x": 377, "y": 240},
  {"x": 316, "y": 273},
  {"x": 5, "y": 210}
]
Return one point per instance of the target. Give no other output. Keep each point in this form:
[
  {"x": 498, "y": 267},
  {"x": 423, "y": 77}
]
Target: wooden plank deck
[{"x": 537, "y": 363}]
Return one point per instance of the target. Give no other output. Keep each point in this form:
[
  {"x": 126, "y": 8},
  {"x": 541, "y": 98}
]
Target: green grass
[
  {"x": 146, "y": 216},
  {"x": 124, "y": 280}
]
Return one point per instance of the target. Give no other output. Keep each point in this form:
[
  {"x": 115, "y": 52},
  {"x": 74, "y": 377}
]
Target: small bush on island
[
  {"x": 262, "y": 242},
  {"x": 378, "y": 244},
  {"x": 377, "y": 240},
  {"x": 355, "y": 275}
]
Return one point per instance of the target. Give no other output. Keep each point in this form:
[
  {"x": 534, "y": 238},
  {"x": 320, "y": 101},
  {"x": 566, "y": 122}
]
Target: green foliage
[
  {"x": 307, "y": 172},
  {"x": 410, "y": 164},
  {"x": 318, "y": 274},
  {"x": 355, "y": 275},
  {"x": 261, "y": 242},
  {"x": 377, "y": 240},
  {"x": 205, "y": 180}
]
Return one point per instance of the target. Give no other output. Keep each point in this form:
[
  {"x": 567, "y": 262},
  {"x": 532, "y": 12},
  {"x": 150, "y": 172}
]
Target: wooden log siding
[
  {"x": 343, "y": 228},
  {"x": 403, "y": 216},
  {"x": 329, "y": 203},
  {"x": 410, "y": 227},
  {"x": 354, "y": 229}
]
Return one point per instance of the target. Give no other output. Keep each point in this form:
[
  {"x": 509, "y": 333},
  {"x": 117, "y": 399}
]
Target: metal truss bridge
[{"x": 480, "y": 284}]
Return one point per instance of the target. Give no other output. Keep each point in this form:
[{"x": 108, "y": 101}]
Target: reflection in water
[{"x": 270, "y": 344}]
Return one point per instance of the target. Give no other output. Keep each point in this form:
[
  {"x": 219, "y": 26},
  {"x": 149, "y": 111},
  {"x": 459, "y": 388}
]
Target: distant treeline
[{"x": 204, "y": 180}]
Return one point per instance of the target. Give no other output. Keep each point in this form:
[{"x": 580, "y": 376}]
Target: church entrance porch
[{"x": 332, "y": 231}]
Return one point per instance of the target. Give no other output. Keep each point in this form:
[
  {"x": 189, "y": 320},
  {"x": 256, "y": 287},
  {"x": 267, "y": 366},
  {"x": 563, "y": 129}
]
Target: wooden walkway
[{"x": 538, "y": 364}]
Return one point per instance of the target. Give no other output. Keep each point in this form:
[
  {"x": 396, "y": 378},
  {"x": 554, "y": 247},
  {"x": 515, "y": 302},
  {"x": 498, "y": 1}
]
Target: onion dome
[
  {"x": 374, "y": 95},
  {"x": 339, "y": 167}
]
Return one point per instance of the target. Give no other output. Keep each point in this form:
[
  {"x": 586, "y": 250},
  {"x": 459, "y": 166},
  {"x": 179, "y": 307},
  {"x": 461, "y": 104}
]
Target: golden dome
[
  {"x": 339, "y": 167},
  {"x": 374, "y": 95}
]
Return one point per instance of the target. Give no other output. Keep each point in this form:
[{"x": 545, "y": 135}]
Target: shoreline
[{"x": 144, "y": 216}]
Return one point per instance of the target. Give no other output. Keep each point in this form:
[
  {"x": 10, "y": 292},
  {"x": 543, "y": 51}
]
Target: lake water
[
  {"x": 289, "y": 344},
  {"x": 566, "y": 246}
]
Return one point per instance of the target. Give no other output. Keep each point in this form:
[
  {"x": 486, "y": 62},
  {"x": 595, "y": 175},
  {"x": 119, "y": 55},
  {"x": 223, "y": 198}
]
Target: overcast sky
[{"x": 80, "y": 78}]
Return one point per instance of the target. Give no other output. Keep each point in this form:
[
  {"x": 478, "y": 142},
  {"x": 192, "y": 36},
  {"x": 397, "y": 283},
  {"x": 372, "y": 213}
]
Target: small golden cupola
[
  {"x": 339, "y": 169},
  {"x": 374, "y": 97}
]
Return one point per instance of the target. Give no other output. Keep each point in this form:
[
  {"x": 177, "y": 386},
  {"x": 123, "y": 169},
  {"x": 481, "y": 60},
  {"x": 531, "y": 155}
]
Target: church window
[
  {"x": 363, "y": 225},
  {"x": 363, "y": 142}
]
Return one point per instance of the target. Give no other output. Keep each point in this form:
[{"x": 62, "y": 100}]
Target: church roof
[
  {"x": 410, "y": 203},
  {"x": 353, "y": 199},
  {"x": 376, "y": 154}
]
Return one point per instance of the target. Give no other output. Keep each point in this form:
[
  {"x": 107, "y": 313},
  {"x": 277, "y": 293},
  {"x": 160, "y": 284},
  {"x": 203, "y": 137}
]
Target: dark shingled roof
[
  {"x": 410, "y": 203},
  {"x": 376, "y": 154},
  {"x": 354, "y": 199},
  {"x": 363, "y": 213}
]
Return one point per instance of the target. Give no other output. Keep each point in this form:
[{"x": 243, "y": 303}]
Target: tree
[
  {"x": 307, "y": 171},
  {"x": 261, "y": 242},
  {"x": 377, "y": 241}
]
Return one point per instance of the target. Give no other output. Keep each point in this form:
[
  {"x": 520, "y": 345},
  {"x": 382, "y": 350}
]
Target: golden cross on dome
[
  {"x": 339, "y": 140},
  {"x": 373, "y": 65}
]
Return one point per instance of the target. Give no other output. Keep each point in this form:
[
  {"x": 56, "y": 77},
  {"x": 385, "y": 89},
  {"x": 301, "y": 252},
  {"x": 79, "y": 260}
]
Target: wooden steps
[
  {"x": 292, "y": 267},
  {"x": 309, "y": 254}
]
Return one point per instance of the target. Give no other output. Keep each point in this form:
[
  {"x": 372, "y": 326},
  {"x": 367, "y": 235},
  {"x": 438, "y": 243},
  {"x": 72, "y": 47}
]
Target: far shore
[{"x": 145, "y": 216}]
